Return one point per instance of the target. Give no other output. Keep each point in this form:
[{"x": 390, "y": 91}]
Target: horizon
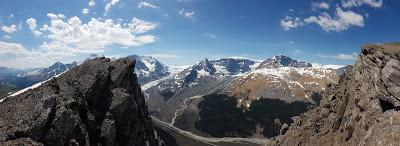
[{"x": 183, "y": 32}]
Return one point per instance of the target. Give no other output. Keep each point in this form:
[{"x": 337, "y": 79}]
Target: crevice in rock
[{"x": 386, "y": 105}]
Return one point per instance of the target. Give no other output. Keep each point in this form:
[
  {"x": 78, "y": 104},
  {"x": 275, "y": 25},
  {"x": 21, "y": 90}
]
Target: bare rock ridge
[
  {"x": 96, "y": 103},
  {"x": 362, "y": 109}
]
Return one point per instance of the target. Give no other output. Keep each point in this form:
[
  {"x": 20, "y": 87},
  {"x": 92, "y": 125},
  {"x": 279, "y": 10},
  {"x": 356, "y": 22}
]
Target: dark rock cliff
[
  {"x": 362, "y": 109},
  {"x": 96, "y": 103}
]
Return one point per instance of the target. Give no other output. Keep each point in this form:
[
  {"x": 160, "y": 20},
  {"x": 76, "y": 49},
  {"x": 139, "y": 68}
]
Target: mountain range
[
  {"x": 278, "y": 101},
  {"x": 186, "y": 96}
]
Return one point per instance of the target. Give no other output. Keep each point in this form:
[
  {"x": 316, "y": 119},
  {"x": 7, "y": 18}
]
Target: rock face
[
  {"x": 96, "y": 103},
  {"x": 362, "y": 109}
]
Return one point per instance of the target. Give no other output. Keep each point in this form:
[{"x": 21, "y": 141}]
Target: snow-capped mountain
[
  {"x": 205, "y": 70},
  {"x": 18, "y": 79},
  {"x": 283, "y": 78},
  {"x": 283, "y": 61},
  {"x": 46, "y": 73},
  {"x": 149, "y": 69},
  {"x": 202, "y": 78}
]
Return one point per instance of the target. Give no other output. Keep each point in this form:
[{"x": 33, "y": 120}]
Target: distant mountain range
[
  {"x": 169, "y": 90},
  {"x": 243, "y": 80},
  {"x": 15, "y": 79}
]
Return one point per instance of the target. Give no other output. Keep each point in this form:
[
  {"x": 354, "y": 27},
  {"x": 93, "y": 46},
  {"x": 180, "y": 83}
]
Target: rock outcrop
[
  {"x": 96, "y": 103},
  {"x": 362, "y": 109}
]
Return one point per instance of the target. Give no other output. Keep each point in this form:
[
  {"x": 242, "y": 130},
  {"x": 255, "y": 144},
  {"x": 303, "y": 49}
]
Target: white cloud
[
  {"x": 109, "y": 5},
  {"x": 290, "y": 22},
  {"x": 321, "y": 5},
  {"x": 357, "y": 3},
  {"x": 187, "y": 14},
  {"x": 32, "y": 26},
  {"x": 342, "y": 20},
  {"x": 147, "y": 5},
  {"x": 16, "y": 56},
  {"x": 7, "y": 37},
  {"x": 291, "y": 42},
  {"x": 92, "y": 3},
  {"x": 95, "y": 35},
  {"x": 11, "y": 16},
  {"x": 297, "y": 52},
  {"x": 85, "y": 11},
  {"x": 12, "y": 49},
  {"x": 164, "y": 56},
  {"x": 9, "y": 29},
  {"x": 340, "y": 56},
  {"x": 210, "y": 35}
]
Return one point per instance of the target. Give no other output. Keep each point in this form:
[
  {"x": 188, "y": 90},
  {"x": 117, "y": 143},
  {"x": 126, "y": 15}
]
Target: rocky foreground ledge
[
  {"x": 362, "y": 109},
  {"x": 96, "y": 103}
]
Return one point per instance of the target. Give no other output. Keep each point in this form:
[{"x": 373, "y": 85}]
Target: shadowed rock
[
  {"x": 96, "y": 103},
  {"x": 362, "y": 109}
]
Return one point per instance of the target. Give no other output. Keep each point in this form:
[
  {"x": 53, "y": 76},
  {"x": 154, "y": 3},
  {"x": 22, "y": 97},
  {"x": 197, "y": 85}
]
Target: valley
[{"x": 233, "y": 91}]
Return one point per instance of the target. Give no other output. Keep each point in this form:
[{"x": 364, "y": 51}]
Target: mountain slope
[
  {"x": 96, "y": 103},
  {"x": 42, "y": 74},
  {"x": 361, "y": 110},
  {"x": 205, "y": 77},
  {"x": 13, "y": 79},
  {"x": 282, "y": 82},
  {"x": 260, "y": 101}
]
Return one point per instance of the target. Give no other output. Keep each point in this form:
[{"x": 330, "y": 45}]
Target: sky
[{"x": 37, "y": 33}]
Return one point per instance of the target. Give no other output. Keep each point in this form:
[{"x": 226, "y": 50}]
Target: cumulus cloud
[
  {"x": 147, "y": 5},
  {"x": 12, "y": 49},
  {"x": 340, "y": 56},
  {"x": 187, "y": 14},
  {"x": 95, "y": 35},
  {"x": 291, "y": 22},
  {"x": 17, "y": 56},
  {"x": 321, "y": 5},
  {"x": 9, "y": 29},
  {"x": 68, "y": 37},
  {"x": 109, "y": 5},
  {"x": 32, "y": 26},
  {"x": 85, "y": 11},
  {"x": 342, "y": 20},
  {"x": 332, "y": 19},
  {"x": 357, "y": 3},
  {"x": 91, "y": 3}
]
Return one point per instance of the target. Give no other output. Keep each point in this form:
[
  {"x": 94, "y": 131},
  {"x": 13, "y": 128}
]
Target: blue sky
[{"x": 179, "y": 32}]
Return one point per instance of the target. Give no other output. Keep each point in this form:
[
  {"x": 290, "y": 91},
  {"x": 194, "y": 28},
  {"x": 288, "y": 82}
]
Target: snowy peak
[
  {"x": 233, "y": 66},
  {"x": 283, "y": 61},
  {"x": 148, "y": 68},
  {"x": 45, "y": 73},
  {"x": 204, "y": 67},
  {"x": 221, "y": 67}
]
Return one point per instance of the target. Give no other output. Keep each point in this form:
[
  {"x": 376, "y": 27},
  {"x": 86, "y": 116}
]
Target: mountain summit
[
  {"x": 283, "y": 61},
  {"x": 96, "y": 103}
]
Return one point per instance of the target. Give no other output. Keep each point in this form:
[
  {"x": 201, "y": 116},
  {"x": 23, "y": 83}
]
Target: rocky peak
[
  {"x": 362, "y": 109},
  {"x": 205, "y": 65},
  {"x": 234, "y": 66},
  {"x": 96, "y": 103},
  {"x": 283, "y": 61}
]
